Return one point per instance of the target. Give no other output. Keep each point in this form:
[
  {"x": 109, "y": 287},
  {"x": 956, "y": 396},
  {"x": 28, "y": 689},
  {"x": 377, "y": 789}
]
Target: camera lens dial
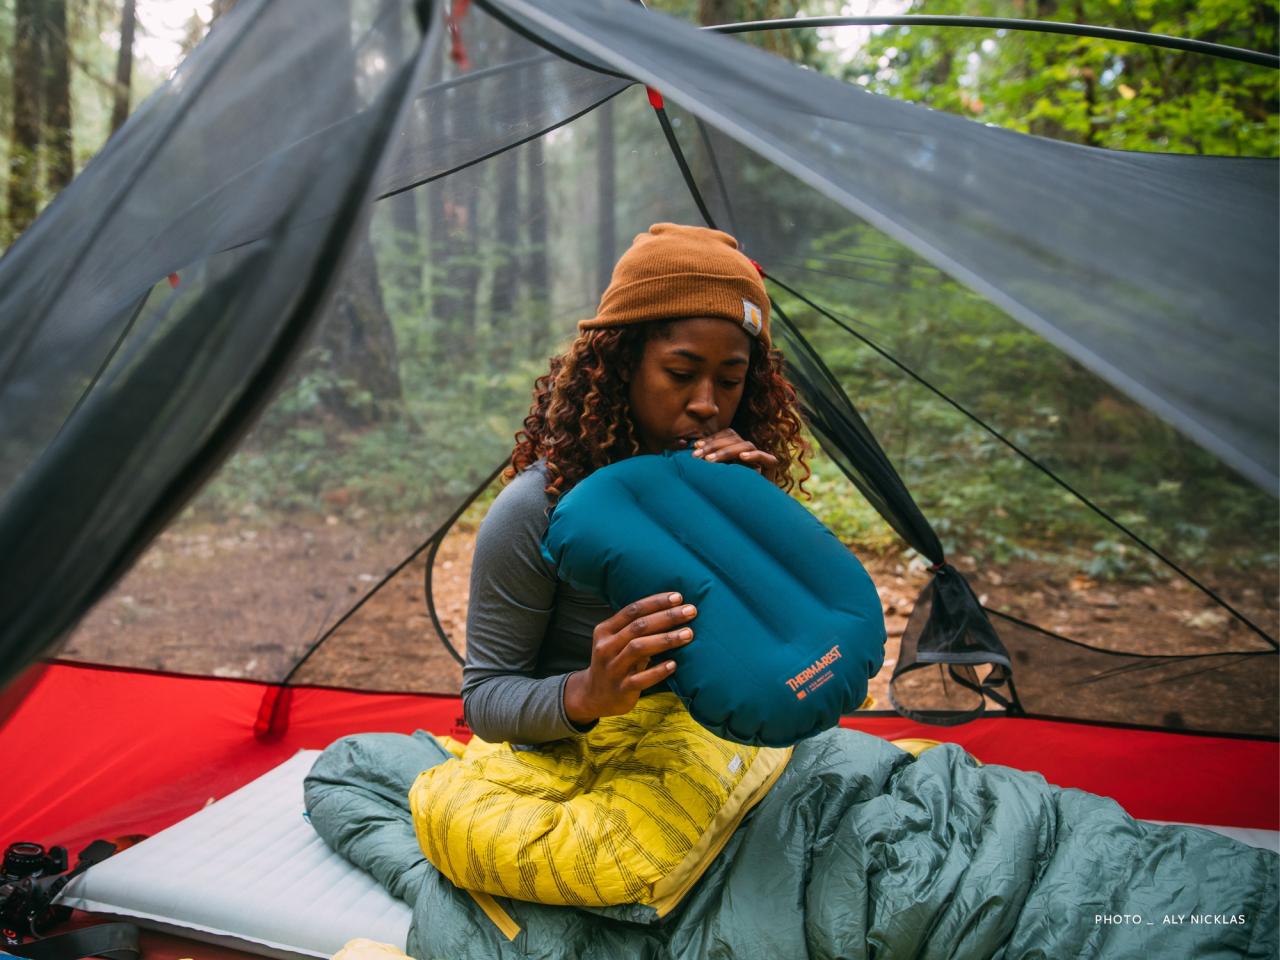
[{"x": 23, "y": 860}]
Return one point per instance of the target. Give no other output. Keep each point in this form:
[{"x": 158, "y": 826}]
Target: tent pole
[{"x": 437, "y": 539}]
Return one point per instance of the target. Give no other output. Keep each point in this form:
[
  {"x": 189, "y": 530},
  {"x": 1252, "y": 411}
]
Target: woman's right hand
[{"x": 621, "y": 648}]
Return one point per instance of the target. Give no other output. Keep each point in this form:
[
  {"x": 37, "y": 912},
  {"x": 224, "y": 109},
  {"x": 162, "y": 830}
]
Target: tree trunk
[
  {"x": 439, "y": 306},
  {"x": 24, "y": 141},
  {"x": 406, "y": 271},
  {"x": 506, "y": 274},
  {"x": 462, "y": 278},
  {"x": 1090, "y": 92},
  {"x": 713, "y": 12},
  {"x": 57, "y": 96},
  {"x": 455, "y": 256},
  {"x": 357, "y": 334},
  {"x": 124, "y": 65},
  {"x": 537, "y": 270},
  {"x": 505, "y": 310},
  {"x": 360, "y": 346},
  {"x": 606, "y": 197},
  {"x": 1042, "y": 126}
]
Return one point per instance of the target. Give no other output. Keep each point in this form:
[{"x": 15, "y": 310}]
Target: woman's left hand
[{"x": 727, "y": 447}]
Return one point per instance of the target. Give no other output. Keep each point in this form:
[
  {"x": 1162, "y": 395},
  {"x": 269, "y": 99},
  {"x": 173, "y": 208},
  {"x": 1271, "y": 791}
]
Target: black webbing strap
[{"x": 114, "y": 941}]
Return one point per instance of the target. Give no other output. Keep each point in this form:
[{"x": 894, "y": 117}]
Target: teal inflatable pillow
[{"x": 789, "y": 627}]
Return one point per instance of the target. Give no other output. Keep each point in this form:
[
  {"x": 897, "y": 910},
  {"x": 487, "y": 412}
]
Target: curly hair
[{"x": 580, "y": 419}]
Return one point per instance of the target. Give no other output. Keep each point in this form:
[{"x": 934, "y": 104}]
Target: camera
[
  {"x": 29, "y": 881},
  {"x": 32, "y": 860}
]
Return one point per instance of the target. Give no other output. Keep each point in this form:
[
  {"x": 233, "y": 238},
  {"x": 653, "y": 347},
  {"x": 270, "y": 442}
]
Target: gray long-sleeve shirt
[{"x": 526, "y": 630}]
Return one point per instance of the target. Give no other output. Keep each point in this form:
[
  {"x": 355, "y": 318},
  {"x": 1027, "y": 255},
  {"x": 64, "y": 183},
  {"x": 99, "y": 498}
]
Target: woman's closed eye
[{"x": 681, "y": 376}]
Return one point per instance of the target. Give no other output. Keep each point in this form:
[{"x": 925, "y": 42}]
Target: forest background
[{"x": 345, "y": 438}]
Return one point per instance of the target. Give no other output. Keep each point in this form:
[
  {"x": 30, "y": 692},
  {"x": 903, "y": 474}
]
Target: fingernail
[
  {"x": 689, "y": 610},
  {"x": 671, "y": 665},
  {"x": 697, "y": 453},
  {"x": 674, "y": 598},
  {"x": 683, "y": 634},
  {"x": 698, "y": 443},
  {"x": 711, "y": 456}
]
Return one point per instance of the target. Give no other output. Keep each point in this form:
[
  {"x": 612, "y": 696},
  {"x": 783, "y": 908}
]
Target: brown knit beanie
[{"x": 675, "y": 272}]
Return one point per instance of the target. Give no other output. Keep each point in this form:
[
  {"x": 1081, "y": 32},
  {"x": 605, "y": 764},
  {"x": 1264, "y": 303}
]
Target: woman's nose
[{"x": 702, "y": 404}]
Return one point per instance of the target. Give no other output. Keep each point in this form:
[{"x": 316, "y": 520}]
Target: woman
[{"x": 677, "y": 356}]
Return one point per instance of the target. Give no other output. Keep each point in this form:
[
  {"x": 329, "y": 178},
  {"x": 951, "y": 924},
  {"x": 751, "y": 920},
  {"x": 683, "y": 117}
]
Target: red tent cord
[
  {"x": 273, "y": 713},
  {"x": 457, "y": 49}
]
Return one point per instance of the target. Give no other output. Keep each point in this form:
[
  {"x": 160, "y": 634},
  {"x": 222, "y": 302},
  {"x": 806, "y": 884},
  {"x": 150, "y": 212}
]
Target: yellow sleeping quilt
[{"x": 631, "y": 812}]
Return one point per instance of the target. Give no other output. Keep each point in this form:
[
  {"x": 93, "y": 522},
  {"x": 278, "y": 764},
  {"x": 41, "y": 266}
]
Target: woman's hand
[
  {"x": 727, "y": 447},
  {"x": 621, "y": 648}
]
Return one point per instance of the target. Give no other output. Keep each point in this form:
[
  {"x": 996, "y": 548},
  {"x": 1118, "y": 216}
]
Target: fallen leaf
[{"x": 1206, "y": 620}]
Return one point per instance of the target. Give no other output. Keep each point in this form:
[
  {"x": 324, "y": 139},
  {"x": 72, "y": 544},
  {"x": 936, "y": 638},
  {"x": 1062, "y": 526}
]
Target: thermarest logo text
[{"x": 811, "y": 671}]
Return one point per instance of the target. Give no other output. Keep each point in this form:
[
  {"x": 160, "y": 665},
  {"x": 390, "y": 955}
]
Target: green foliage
[
  {"x": 834, "y": 501},
  {"x": 297, "y": 463},
  {"x": 1102, "y": 93}
]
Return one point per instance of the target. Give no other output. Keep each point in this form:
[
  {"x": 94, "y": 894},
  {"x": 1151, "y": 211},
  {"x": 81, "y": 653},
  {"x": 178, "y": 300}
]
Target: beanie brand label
[
  {"x": 804, "y": 683},
  {"x": 752, "y": 318}
]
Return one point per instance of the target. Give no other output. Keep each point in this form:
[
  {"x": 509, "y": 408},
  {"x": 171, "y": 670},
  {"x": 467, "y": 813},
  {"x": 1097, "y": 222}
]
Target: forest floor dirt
[{"x": 245, "y": 601}]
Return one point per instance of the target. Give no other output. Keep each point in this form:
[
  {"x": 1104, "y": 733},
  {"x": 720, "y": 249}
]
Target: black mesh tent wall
[{"x": 366, "y": 249}]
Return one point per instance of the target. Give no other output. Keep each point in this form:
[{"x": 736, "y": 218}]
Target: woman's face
[{"x": 688, "y": 383}]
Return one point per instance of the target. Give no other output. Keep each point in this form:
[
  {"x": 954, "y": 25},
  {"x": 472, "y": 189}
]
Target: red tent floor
[{"x": 100, "y": 752}]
